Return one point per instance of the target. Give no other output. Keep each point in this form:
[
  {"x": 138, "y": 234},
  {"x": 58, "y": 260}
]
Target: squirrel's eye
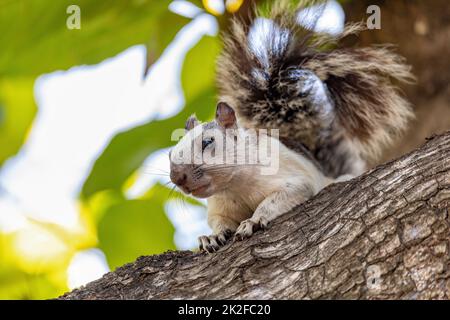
[{"x": 206, "y": 142}]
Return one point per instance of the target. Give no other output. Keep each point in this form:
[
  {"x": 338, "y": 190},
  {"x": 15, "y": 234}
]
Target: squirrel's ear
[
  {"x": 191, "y": 122},
  {"x": 225, "y": 115}
]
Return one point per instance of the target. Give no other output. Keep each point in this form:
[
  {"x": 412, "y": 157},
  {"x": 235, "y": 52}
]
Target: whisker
[
  {"x": 222, "y": 167},
  {"x": 171, "y": 191},
  {"x": 231, "y": 165},
  {"x": 157, "y": 174},
  {"x": 177, "y": 200},
  {"x": 181, "y": 203},
  {"x": 154, "y": 168}
]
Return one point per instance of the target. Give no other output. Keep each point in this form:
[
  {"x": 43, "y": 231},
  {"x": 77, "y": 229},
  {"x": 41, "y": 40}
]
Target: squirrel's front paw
[
  {"x": 249, "y": 226},
  {"x": 213, "y": 242}
]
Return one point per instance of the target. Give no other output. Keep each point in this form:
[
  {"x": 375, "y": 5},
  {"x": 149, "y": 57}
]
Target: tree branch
[{"x": 384, "y": 234}]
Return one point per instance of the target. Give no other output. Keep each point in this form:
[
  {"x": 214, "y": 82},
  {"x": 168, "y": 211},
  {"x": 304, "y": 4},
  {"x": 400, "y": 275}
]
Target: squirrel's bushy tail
[{"x": 260, "y": 73}]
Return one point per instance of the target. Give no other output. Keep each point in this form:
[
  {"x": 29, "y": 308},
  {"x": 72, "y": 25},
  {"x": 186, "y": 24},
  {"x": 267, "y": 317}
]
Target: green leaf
[
  {"x": 127, "y": 150},
  {"x": 135, "y": 227},
  {"x": 15, "y": 283},
  {"x": 35, "y": 38},
  {"x": 17, "y": 110},
  {"x": 199, "y": 67},
  {"x": 18, "y": 285},
  {"x": 164, "y": 32}
]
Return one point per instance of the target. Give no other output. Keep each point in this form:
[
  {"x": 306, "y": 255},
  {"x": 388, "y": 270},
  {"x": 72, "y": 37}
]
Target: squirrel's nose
[{"x": 178, "y": 177}]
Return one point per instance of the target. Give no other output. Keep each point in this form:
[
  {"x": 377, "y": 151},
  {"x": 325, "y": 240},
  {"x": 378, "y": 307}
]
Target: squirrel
[{"x": 335, "y": 110}]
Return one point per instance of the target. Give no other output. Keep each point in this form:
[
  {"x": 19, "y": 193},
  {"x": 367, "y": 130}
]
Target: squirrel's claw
[
  {"x": 213, "y": 242},
  {"x": 250, "y": 226}
]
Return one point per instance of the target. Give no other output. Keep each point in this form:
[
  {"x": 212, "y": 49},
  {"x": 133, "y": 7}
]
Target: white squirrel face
[{"x": 203, "y": 161}]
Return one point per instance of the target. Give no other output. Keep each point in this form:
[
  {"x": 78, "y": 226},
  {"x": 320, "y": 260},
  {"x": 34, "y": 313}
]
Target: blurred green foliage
[
  {"x": 135, "y": 227},
  {"x": 35, "y": 40},
  {"x": 129, "y": 149},
  {"x": 17, "y": 110},
  {"x": 42, "y": 43}
]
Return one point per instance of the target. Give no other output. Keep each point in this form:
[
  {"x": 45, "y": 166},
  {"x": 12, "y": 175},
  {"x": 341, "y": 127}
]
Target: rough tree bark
[{"x": 385, "y": 234}]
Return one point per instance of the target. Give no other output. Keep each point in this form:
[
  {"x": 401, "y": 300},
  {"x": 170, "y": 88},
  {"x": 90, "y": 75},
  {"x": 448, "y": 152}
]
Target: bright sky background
[{"x": 79, "y": 111}]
